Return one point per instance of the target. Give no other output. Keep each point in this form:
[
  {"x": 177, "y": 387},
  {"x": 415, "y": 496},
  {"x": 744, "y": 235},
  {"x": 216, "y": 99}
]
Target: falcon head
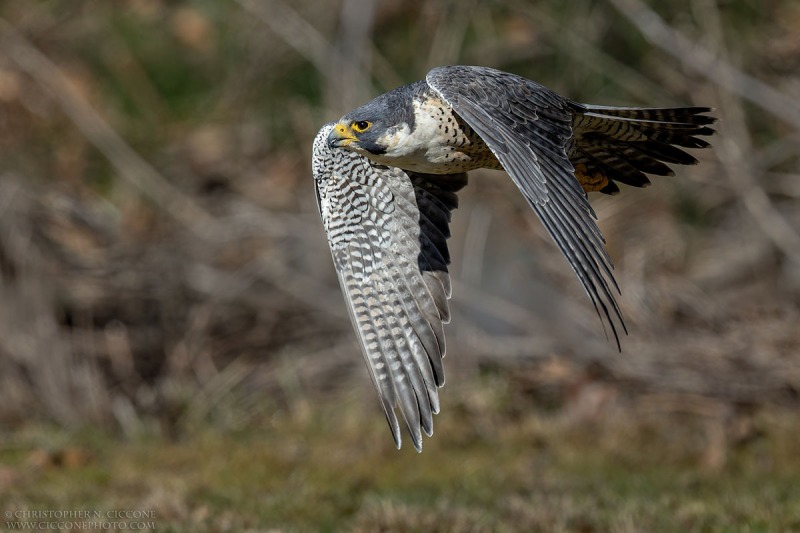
[{"x": 380, "y": 128}]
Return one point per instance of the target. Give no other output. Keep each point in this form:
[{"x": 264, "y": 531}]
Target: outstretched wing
[
  {"x": 527, "y": 127},
  {"x": 625, "y": 143},
  {"x": 388, "y": 232}
]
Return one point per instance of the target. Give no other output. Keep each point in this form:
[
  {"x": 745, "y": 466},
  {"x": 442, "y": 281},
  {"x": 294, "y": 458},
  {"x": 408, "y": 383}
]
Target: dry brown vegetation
[{"x": 162, "y": 266}]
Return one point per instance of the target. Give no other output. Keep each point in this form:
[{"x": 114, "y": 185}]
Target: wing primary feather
[
  {"x": 371, "y": 349},
  {"x": 387, "y": 230},
  {"x": 533, "y": 152},
  {"x": 587, "y": 282}
]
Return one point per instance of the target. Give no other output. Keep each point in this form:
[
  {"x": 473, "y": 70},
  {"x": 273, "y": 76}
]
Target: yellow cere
[{"x": 344, "y": 133}]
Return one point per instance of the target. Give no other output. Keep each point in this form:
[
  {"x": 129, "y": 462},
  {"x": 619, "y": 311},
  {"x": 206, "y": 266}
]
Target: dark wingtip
[
  {"x": 427, "y": 424},
  {"x": 394, "y": 426},
  {"x": 617, "y": 339},
  {"x": 699, "y": 118}
]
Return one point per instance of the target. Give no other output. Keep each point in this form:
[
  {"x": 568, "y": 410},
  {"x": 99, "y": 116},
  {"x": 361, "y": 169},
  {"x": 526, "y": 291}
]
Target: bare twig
[
  {"x": 450, "y": 33},
  {"x": 476, "y": 237},
  {"x": 350, "y": 83},
  {"x": 296, "y": 32},
  {"x": 140, "y": 174},
  {"x": 708, "y": 64},
  {"x": 593, "y": 57},
  {"x": 315, "y": 47},
  {"x": 130, "y": 166},
  {"x": 736, "y": 145}
]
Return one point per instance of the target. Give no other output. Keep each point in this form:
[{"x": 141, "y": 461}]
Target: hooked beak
[{"x": 340, "y": 136}]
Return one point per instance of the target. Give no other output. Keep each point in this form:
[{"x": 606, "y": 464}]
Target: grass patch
[{"x": 326, "y": 468}]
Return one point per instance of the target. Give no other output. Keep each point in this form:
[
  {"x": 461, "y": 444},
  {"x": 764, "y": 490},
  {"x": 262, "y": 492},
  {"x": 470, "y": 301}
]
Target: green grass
[{"x": 332, "y": 466}]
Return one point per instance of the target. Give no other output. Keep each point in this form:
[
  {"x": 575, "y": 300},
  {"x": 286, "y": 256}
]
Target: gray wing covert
[
  {"x": 387, "y": 230},
  {"x": 527, "y": 127}
]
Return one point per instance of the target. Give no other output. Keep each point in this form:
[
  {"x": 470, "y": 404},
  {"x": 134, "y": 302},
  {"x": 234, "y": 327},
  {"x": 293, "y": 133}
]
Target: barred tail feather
[{"x": 623, "y": 143}]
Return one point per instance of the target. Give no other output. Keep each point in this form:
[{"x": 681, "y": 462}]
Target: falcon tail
[{"x": 623, "y": 144}]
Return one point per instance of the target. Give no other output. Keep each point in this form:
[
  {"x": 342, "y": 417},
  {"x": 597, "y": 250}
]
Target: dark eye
[{"x": 361, "y": 125}]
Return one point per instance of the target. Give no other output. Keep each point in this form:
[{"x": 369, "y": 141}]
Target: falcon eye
[{"x": 361, "y": 125}]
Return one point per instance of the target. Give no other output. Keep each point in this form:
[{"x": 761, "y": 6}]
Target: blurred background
[{"x": 172, "y": 336}]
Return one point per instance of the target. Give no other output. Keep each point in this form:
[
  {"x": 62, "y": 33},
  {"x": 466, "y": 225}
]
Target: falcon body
[
  {"x": 427, "y": 136},
  {"x": 386, "y": 175}
]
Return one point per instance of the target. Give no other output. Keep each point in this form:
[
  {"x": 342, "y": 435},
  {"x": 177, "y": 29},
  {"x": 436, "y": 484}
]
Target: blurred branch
[
  {"x": 350, "y": 84},
  {"x": 501, "y": 308},
  {"x": 737, "y": 147},
  {"x": 139, "y": 173},
  {"x": 290, "y": 26},
  {"x": 786, "y": 184},
  {"x": 295, "y": 31},
  {"x": 475, "y": 239},
  {"x": 449, "y": 37},
  {"x": 130, "y": 166},
  {"x": 593, "y": 56},
  {"x": 708, "y": 64}
]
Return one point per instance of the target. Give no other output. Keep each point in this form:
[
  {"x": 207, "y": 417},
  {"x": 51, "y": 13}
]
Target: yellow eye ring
[{"x": 361, "y": 126}]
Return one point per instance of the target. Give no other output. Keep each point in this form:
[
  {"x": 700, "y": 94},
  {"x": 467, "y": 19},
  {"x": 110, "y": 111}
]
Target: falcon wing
[
  {"x": 388, "y": 232},
  {"x": 527, "y": 127}
]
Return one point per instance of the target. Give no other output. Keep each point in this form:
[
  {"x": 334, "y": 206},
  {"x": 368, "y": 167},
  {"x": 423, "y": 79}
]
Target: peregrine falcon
[{"x": 387, "y": 174}]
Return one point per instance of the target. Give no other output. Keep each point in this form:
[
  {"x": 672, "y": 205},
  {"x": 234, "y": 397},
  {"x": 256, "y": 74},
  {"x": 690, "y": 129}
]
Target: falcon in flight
[{"x": 386, "y": 178}]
